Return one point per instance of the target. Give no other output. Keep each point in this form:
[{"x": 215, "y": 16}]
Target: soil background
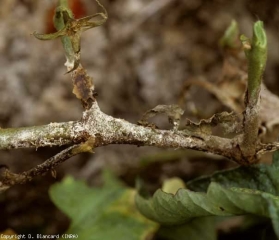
[{"x": 140, "y": 58}]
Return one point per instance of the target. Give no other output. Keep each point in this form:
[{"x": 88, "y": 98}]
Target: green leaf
[
  {"x": 246, "y": 190},
  {"x": 197, "y": 229},
  {"x": 101, "y": 213},
  {"x": 260, "y": 177},
  {"x": 273, "y": 208},
  {"x": 185, "y": 205}
]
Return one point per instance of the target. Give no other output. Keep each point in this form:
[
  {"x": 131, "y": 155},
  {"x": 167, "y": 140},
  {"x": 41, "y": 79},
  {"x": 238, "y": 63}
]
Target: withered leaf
[
  {"x": 229, "y": 123},
  {"x": 174, "y": 113}
]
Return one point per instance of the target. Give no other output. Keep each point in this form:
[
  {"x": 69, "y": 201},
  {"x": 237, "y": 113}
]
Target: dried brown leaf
[
  {"x": 174, "y": 113},
  {"x": 229, "y": 122}
]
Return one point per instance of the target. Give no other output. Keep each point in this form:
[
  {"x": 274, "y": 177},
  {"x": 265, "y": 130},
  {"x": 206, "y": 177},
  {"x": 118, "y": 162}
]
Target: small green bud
[{"x": 230, "y": 37}]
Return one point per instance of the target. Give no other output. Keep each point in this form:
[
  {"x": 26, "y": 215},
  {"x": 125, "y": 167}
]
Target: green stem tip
[{"x": 256, "y": 53}]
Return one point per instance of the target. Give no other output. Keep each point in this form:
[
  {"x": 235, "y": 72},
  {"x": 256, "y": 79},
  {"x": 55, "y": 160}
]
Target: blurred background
[{"x": 140, "y": 58}]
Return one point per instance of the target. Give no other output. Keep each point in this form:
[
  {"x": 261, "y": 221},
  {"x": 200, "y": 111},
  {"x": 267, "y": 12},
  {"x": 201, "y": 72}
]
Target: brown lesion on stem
[{"x": 83, "y": 86}]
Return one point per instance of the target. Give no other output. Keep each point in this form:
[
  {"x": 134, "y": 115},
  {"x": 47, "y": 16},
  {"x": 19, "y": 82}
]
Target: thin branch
[{"x": 10, "y": 179}]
